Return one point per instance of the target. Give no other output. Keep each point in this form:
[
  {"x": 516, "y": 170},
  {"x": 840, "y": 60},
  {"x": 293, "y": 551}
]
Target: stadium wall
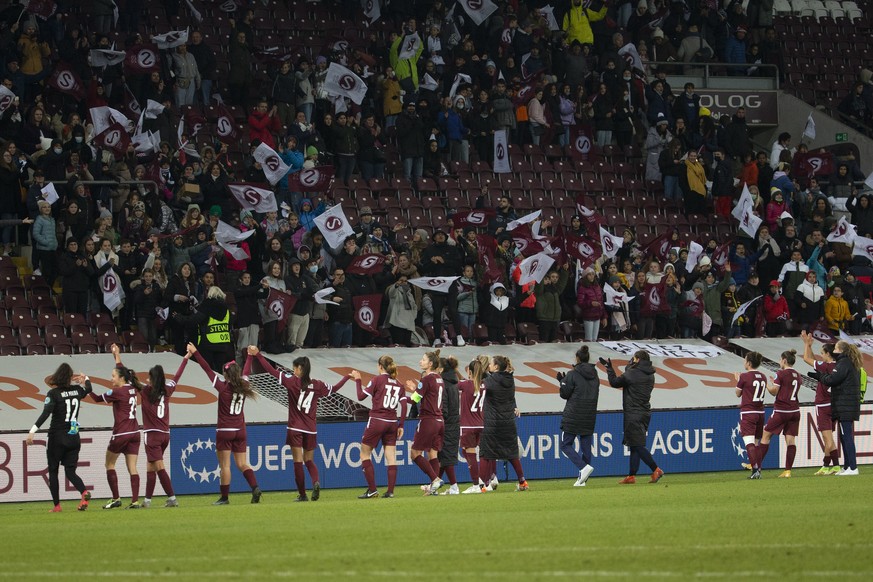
[{"x": 682, "y": 441}]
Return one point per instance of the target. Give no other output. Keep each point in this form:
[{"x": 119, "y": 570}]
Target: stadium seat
[{"x": 528, "y": 332}]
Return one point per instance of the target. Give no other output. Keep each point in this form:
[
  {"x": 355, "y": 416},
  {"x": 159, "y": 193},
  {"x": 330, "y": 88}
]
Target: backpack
[{"x": 863, "y": 383}]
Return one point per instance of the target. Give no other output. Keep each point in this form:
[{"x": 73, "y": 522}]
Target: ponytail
[
  {"x": 582, "y": 356},
  {"x": 238, "y": 384},
  {"x": 387, "y": 363},
  {"x": 789, "y": 356},
  {"x": 434, "y": 359},
  {"x": 158, "y": 382},
  {"x": 477, "y": 373},
  {"x": 853, "y": 354},
  {"x": 130, "y": 377},
  {"x": 504, "y": 364},
  {"x": 306, "y": 369}
]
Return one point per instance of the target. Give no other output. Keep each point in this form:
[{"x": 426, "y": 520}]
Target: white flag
[
  {"x": 51, "y": 195},
  {"x": 321, "y": 296},
  {"x": 527, "y": 218},
  {"x": 745, "y": 200},
  {"x": 631, "y": 56},
  {"x": 459, "y": 78},
  {"x": 501, "y": 153},
  {"x": 7, "y": 98},
  {"x": 616, "y": 298},
  {"x": 106, "y": 57},
  {"x": 742, "y": 309},
  {"x": 335, "y": 227},
  {"x": 809, "y": 129},
  {"x": 439, "y": 284},
  {"x": 844, "y": 232},
  {"x": 410, "y": 46},
  {"x": 171, "y": 39},
  {"x": 863, "y": 247},
  {"x": 534, "y": 268},
  {"x": 478, "y": 10},
  {"x": 273, "y": 166},
  {"x": 706, "y": 323},
  {"x": 194, "y": 12},
  {"x": 429, "y": 83},
  {"x": 548, "y": 12},
  {"x": 153, "y": 109},
  {"x": 103, "y": 117},
  {"x": 227, "y": 234},
  {"x": 869, "y": 181},
  {"x": 235, "y": 251},
  {"x": 694, "y": 252},
  {"x": 372, "y": 10},
  {"x": 342, "y": 81},
  {"x": 750, "y": 223},
  {"x": 113, "y": 295},
  {"x": 254, "y": 198},
  {"x": 610, "y": 243}
]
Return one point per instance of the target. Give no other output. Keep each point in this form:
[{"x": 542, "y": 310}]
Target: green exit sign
[{"x": 841, "y": 137}]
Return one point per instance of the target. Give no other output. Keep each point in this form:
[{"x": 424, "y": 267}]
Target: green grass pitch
[{"x": 716, "y": 525}]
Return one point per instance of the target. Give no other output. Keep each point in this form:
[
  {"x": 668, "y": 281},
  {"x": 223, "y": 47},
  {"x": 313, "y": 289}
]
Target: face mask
[
  {"x": 313, "y": 268},
  {"x": 79, "y": 139},
  {"x": 58, "y": 150}
]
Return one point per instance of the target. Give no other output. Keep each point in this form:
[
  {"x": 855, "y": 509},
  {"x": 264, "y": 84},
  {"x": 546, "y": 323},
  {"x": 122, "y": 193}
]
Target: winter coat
[
  {"x": 146, "y": 303},
  {"x": 304, "y": 288},
  {"x": 503, "y": 112},
  {"x": 845, "y": 383},
  {"x": 585, "y": 296},
  {"x": 499, "y": 435},
  {"x": 247, "y": 312},
  {"x": 391, "y": 102},
  {"x": 45, "y": 234},
  {"x": 240, "y": 60},
  {"x": 577, "y": 23},
  {"x": 548, "y": 306},
  {"x": 410, "y": 135},
  {"x": 837, "y": 312},
  {"x": 451, "y": 260},
  {"x": 637, "y": 383},
  {"x": 345, "y": 311},
  {"x": 581, "y": 389},
  {"x": 75, "y": 277},
  {"x": 468, "y": 301},
  {"x": 775, "y": 309},
  {"x": 712, "y": 300},
  {"x": 655, "y": 144},
  {"x": 402, "y": 307}
]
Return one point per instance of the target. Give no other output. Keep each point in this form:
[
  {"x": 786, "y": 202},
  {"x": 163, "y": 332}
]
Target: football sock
[
  {"x": 435, "y": 465},
  {"x": 762, "y": 452},
  {"x": 835, "y": 458},
  {"x": 250, "y": 478},
  {"x": 369, "y": 474},
  {"x": 313, "y": 470},
  {"x": 753, "y": 455},
  {"x": 392, "y": 478},
  {"x": 426, "y": 467},
  {"x": 516, "y": 464},
  {"x": 450, "y": 473},
  {"x": 134, "y": 488},
  {"x": 225, "y": 490},
  {"x": 166, "y": 483},
  {"x": 112, "y": 478},
  {"x": 151, "y": 480},
  {"x": 300, "y": 478},
  {"x": 826, "y": 462},
  {"x": 473, "y": 464},
  {"x": 790, "y": 453}
]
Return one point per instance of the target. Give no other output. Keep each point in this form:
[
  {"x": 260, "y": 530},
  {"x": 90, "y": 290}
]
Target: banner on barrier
[{"x": 809, "y": 441}]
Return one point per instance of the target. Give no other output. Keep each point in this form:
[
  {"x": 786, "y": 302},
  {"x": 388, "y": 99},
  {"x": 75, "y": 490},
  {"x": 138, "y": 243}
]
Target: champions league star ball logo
[
  {"x": 190, "y": 465},
  {"x": 738, "y": 445}
]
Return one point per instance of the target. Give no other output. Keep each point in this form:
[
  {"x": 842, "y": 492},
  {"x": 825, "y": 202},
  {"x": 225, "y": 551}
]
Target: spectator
[
  {"x": 693, "y": 183},
  {"x": 263, "y": 124},
  {"x": 548, "y": 307},
  {"x": 187, "y": 76},
  {"x": 341, "y": 313},
  {"x": 810, "y": 301},
  {"x": 577, "y": 22},
  {"x": 411, "y": 141},
  {"x": 240, "y": 76},
  {"x": 403, "y": 306},
  {"x": 589, "y": 297}
]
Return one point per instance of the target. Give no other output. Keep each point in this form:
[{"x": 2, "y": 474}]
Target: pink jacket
[
  {"x": 585, "y": 296},
  {"x": 774, "y": 211}
]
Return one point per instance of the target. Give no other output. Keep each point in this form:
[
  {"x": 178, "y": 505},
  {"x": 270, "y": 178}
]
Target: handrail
[
  {"x": 706, "y": 68},
  {"x": 109, "y": 182}
]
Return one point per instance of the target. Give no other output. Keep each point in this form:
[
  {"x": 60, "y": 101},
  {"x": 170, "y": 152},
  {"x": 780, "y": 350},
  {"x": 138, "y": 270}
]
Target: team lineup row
[{"x": 477, "y": 413}]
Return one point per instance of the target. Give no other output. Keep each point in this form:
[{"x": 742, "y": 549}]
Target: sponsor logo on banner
[
  {"x": 333, "y": 223},
  {"x": 761, "y": 106},
  {"x": 224, "y": 126},
  {"x": 654, "y": 297},
  {"x": 110, "y": 283},
  {"x": 146, "y": 58},
  {"x": 665, "y": 350},
  {"x": 809, "y": 440},
  {"x": 251, "y": 195}
]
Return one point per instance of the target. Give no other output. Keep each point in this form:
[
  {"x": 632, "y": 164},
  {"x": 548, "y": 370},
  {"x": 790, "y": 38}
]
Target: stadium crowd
[{"x": 542, "y": 76}]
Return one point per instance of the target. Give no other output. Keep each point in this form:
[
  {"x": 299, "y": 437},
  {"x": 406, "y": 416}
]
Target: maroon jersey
[
  {"x": 231, "y": 416},
  {"x": 754, "y": 386},
  {"x": 303, "y": 402},
  {"x": 822, "y": 392},
  {"x": 156, "y": 415},
  {"x": 123, "y": 402},
  {"x": 471, "y": 404},
  {"x": 789, "y": 383},
  {"x": 430, "y": 388},
  {"x": 386, "y": 394}
]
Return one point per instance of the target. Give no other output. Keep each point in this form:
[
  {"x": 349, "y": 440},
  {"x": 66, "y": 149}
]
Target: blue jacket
[
  {"x": 44, "y": 233},
  {"x": 307, "y": 219},
  {"x": 452, "y": 125},
  {"x": 294, "y": 160},
  {"x": 735, "y": 51}
]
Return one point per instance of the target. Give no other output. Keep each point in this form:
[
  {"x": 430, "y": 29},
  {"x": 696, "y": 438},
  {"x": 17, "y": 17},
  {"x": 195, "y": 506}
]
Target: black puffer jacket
[
  {"x": 499, "y": 398},
  {"x": 581, "y": 389},
  {"x": 845, "y": 383},
  {"x": 451, "y": 400},
  {"x": 638, "y": 381}
]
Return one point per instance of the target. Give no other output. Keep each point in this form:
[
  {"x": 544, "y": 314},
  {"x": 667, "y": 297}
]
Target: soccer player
[
  {"x": 156, "y": 426},
  {"x": 637, "y": 383},
  {"x": 580, "y": 387},
  {"x": 751, "y": 387},
  {"x": 823, "y": 412},
  {"x": 428, "y": 394},
  {"x": 233, "y": 389},
  {"x": 303, "y": 395},
  {"x": 472, "y": 401},
  {"x": 448, "y": 454},
  {"x": 382, "y": 425},
  {"x": 125, "y": 432},
  {"x": 62, "y": 404},
  {"x": 786, "y": 411},
  {"x": 500, "y": 434}
]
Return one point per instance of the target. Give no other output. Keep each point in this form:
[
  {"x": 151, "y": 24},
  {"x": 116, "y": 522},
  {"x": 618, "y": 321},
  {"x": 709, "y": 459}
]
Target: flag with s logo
[{"x": 367, "y": 311}]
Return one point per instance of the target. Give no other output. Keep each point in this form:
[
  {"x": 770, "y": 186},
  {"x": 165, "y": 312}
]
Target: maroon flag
[
  {"x": 818, "y": 163},
  {"x": 225, "y": 126},
  {"x": 660, "y": 247},
  {"x": 525, "y": 242},
  {"x": 115, "y": 138},
  {"x": 694, "y": 307},
  {"x": 42, "y": 8},
  {"x": 195, "y": 122},
  {"x": 524, "y": 95},
  {"x": 131, "y": 105},
  {"x": 721, "y": 255},
  {"x": 654, "y": 299},
  {"x": 476, "y": 218},
  {"x": 590, "y": 218},
  {"x": 316, "y": 179},
  {"x": 366, "y": 265},
  {"x": 581, "y": 143},
  {"x": 367, "y": 309},
  {"x": 823, "y": 333},
  {"x": 142, "y": 58},
  {"x": 582, "y": 248},
  {"x": 66, "y": 81},
  {"x": 280, "y": 304},
  {"x": 485, "y": 246}
]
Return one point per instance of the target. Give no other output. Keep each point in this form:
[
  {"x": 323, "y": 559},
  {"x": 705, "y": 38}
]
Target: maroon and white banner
[
  {"x": 367, "y": 311},
  {"x": 225, "y": 126},
  {"x": 486, "y": 246},
  {"x": 654, "y": 299},
  {"x": 526, "y": 219},
  {"x": 695, "y": 250},
  {"x": 500, "y": 163},
  {"x": 582, "y": 248},
  {"x": 815, "y": 163},
  {"x": 580, "y": 147},
  {"x": 42, "y": 8},
  {"x": 526, "y": 244},
  {"x": 131, "y": 105},
  {"x": 142, "y": 58},
  {"x": 588, "y": 216},
  {"x": 106, "y": 57},
  {"x": 250, "y": 197},
  {"x": 366, "y": 265},
  {"x": 410, "y": 46},
  {"x": 115, "y": 138},
  {"x": 195, "y": 122},
  {"x": 534, "y": 268},
  {"x": 171, "y": 39},
  {"x": 750, "y": 222},
  {"x": 844, "y": 232},
  {"x": 478, "y": 10},
  {"x": 372, "y": 10},
  {"x": 113, "y": 294},
  {"x": 66, "y": 81},
  {"x": 334, "y": 225},
  {"x": 439, "y": 284},
  {"x": 631, "y": 56},
  {"x": 616, "y": 298},
  {"x": 610, "y": 243},
  {"x": 343, "y": 82},
  {"x": 721, "y": 255},
  {"x": 477, "y": 218},
  {"x": 863, "y": 247},
  {"x": 660, "y": 247},
  {"x": 316, "y": 179},
  {"x": 280, "y": 304},
  {"x": 273, "y": 166},
  {"x": 7, "y": 98}
]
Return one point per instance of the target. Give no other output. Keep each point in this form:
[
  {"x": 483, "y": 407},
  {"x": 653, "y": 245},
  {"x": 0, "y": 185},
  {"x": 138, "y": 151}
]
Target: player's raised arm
[
  {"x": 808, "y": 355},
  {"x": 181, "y": 369},
  {"x": 116, "y": 353},
  {"x": 362, "y": 393},
  {"x": 194, "y": 353}
]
